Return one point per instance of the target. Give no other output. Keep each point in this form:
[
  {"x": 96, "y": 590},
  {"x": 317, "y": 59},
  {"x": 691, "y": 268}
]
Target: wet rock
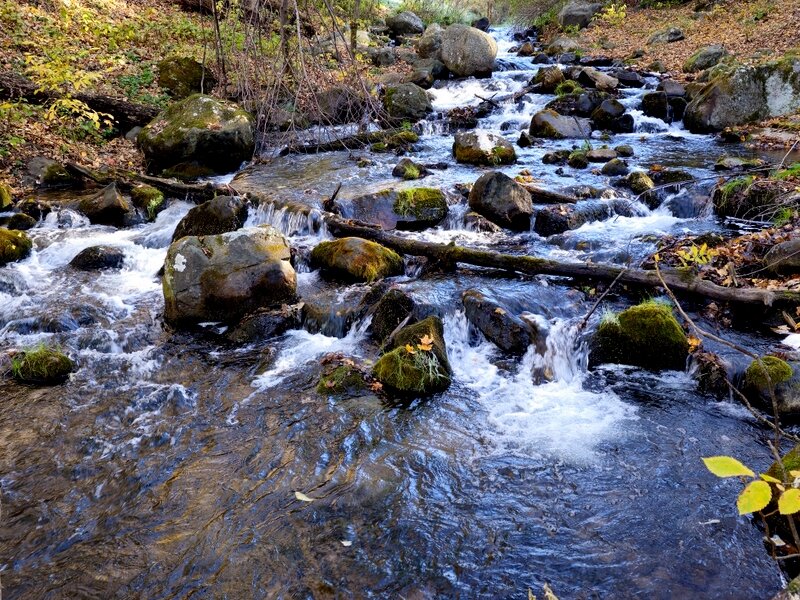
[
  {"x": 481, "y": 147},
  {"x": 427, "y": 72},
  {"x": 746, "y": 94},
  {"x": 21, "y": 222},
  {"x": 355, "y": 259},
  {"x": 784, "y": 379},
  {"x": 627, "y": 78},
  {"x": 559, "y": 157},
  {"x": 548, "y": 79},
  {"x": 463, "y": 117},
  {"x": 406, "y": 101},
  {"x": 666, "y": 36},
  {"x": 96, "y": 258},
  {"x": 561, "y": 45},
  {"x": 223, "y": 277},
  {"x": 558, "y": 218},
  {"x": 430, "y": 44},
  {"x": 525, "y": 140},
  {"x": 601, "y": 155},
  {"x": 624, "y": 150},
  {"x": 468, "y": 51},
  {"x": 502, "y": 200},
  {"x": 542, "y": 59},
  {"x": 639, "y": 182},
  {"x": 213, "y": 217},
  {"x": 615, "y": 166},
  {"x": 339, "y": 105},
  {"x": 482, "y": 24},
  {"x": 213, "y": 133},
  {"x": 409, "y": 170},
  {"x": 526, "y": 49},
  {"x": 656, "y": 104},
  {"x": 405, "y": 23},
  {"x": 506, "y": 331},
  {"x": 746, "y": 198},
  {"x": 42, "y": 365},
  {"x": 578, "y": 160},
  {"x": 265, "y": 324},
  {"x": 341, "y": 379},
  {"x": 477, "y": 222},
  {"x": 647, "y": 335},
  {"x": 549, "y": 124},
  {"x": 409, "y": 209},
  {"x": 610, "y": 116},
  {"x": 423, "y": 370},
  {"x": 784, "y": 258},
  {"x": 732, "y": 163},
  {"x": 590, "y": 77},
  {"x": 14, "y": 246},
  {"x": 391, "y": 310},
  {"x": 107, "y": 207},
  {"x": 577, "y": 13},
  {"x": 47, "y": 173},
  {"x": 705, "y": 58},
  {"x": 182, "y": 76}
]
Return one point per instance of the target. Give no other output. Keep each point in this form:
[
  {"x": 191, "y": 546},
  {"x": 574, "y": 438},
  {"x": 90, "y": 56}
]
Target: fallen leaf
[
  {"x": 302, "y": 497},
  {"x": 346, "y": 543},
  {"x": 499, "y": 311},
  {"x": 410, "y": 349}
]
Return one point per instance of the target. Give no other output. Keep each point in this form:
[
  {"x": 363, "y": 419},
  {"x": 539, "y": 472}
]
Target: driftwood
[
  {"x": 126, "y": 114},
  {"x": 681, "y": 281}
]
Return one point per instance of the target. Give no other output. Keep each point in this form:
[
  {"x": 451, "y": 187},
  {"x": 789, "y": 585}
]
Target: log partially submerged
[
  {"x": 682, "y": 281},
  {"x": 126, "y": 114},
  {"x": 351, "y": 142}
]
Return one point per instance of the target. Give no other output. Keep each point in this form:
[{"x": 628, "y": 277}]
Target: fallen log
[
  {"x": 351, "y": 142},
  {"x": 126, "y": 114}
]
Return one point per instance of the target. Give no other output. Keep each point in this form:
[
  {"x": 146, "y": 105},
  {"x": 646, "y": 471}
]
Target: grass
[
  {"x": 567, "y": 88},
  {"x": 41, "y": 364},
  {"x": 792, "y": 172}
]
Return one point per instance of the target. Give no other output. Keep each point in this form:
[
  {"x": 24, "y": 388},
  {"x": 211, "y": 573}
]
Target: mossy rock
[
  {"x": 409, "y": 369},
  {"x": 647, "y": 335},
  {"x": 5, "y": 197},
  {"x": 143, "y": 196},
  {"x": 187, "y": 171},
  {"x": 773, "y": 370},
  {"x": 422, "y": 206},
  {"x": 578, "y": 160},
  {"x": 639, "y": 182},
  {"x": 406, "y": 101},
  {"x": 182, "y": 76},
  {"x": 483, "y": 148},
  {"x": 389, "y": 312},
  {"x": 785, "y": 379},
  {"x": 341, "y": 380},
  {"x": 356, "y": 259},
  {"x": 401, "y": 140},
  {"x": 790, "y": 460},
  {"x": 41, "y": 365},
  {"x": 14, "y": 246}
]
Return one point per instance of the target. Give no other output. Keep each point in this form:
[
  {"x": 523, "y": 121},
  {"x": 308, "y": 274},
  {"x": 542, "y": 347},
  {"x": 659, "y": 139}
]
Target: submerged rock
[
  {"x": 505, "y": 330},
  {"x": 502, "y": 200},
  {"x": 341, "y": 379},
  {"x": 216, "y": 134},
  {"x": 14, "y": 246},
  {"x": 42, "y": 365},
  {"x": 416, "y": 360},
  {"x": 481, "y": 147},
  {"x": 95, "y": 258},
  {"x": 647, "y": 335},
  {"x": 213, "y": 217},
  {"x": 356, "y": 259},
  {"x": 468, "y": 51},
  {"x": 223, "y": 277}
]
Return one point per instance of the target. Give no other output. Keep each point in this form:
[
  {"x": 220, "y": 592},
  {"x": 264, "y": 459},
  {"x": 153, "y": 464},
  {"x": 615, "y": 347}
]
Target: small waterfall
[{"x": 290, "y": 220}]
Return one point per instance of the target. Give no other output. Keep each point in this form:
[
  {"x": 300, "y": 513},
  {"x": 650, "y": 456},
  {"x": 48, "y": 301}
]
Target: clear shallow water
[{"x": 166, "y": 467}]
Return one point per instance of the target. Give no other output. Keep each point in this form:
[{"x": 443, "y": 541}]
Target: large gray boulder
[
  {"x": 549, "y": 124},
  {"x": 746, "y": 94},
  {"x": 213, "y": 217},
  {"x": 429, "y": 45},
  {"x": 216, "y": 134},
  {"x": 406, "y": 101},
  {"x": 223, "y": 277},
  {"x": 468, "y": 51},
  {"x": 502, "y": 200},
  {"x": 578, "y": 13},
  {"x": 483, "y": 148},
  {"x": 405, "y": 23}
]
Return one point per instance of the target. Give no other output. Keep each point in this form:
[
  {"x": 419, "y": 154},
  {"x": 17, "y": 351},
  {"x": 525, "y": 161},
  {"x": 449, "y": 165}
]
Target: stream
[{"x": 167, "y": 466}]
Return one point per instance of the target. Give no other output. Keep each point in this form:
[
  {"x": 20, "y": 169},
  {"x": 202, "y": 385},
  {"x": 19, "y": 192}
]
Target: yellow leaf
[
  {"x": 754, "y": 497},
  {"x": 426, "y": 340},
  {"x": 302, "y": 497},
  {"x": 424, "y": 347},
  {"x": 727, "y": 466},
  {"x": 794, "y": 473},
  {"x": 694, "y": 343},
  {"x": 769, "y": 478},
  {"x": 499, "y": 311},
  {"x": 656, "y": 257},
  {"x": 410, "y": 349},
  {"x": 789, "y": 502}
]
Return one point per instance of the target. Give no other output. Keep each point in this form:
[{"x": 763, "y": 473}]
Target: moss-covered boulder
[
  {"x": 747, "y": 197},
  {"x": 502, "y": 200},
  {"x": 223, "y": 277},
  {"x": 107, "y": 207},
  {"x": 148, "y": 199},
  {"x": 639, "y": 182},
  {"x": 341, "y": 379},
  {"x": 47, "y": 173},
  {"x": 356, "y": 259},
  {"x": 20, "y": 222},
  {"x": 410, "y": 170},
  {"x": 705, "y": 58},
  {"x": 14, "y": 246},
  {"x": 409, "y": 209},
  {"x": 406, "y": 101},
  {"x": 549, "y": 124},
  {"x": 391, "y": 310},
  {"x": 547, "y": 79},
  {"x": 218, "y": 215},
  {"x": 415, "y": 362},
  {"x": 483, "y": 148},
  {"x": 785, "y": 382},
  {"x": 216, "y": 134},
  {"x": 182, "y": 76},
  {"x": 41, "y": 365},
  {"x": 5, "y": 197},
  {"x": 647, "y": 335}
]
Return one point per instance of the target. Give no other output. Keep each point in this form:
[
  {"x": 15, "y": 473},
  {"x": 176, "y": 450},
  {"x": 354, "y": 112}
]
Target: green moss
[
  {"x": 421, "y": 203},
  {"x": 143, "y": 195},
  {"x": 41, "y": 364},
  {"x": 411, "y": 173},
  {"x": 5, "y": 196},
  {"x": 401, "y": 139},
  {"x": 734, "y": 186},
  {"x": 341, "y": 381},
  {"x": 14, "y": 246},
  {"x": 791, "y": 462},
  {"x": 411, "y": 373},
  {"x": 578, "y": 160},
  {"x": 55, "y": 175},
  {"x": 774, "y": 370},
  {"x": 567, "y": 88},
  {"x": 379, "y": 147},
  {"x": 793, "y": 172},
  {"x": 357, "y": 259},
  {"x": 640, "y": 182},
  {"x": 431, "y": 327}
]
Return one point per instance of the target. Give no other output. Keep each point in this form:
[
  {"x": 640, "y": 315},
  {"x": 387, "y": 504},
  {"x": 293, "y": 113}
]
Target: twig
[
  {"x": 785, "y": 156},
  {"x": 600, "y": 299}
]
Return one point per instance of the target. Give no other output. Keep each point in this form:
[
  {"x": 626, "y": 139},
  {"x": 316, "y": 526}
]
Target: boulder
[
  {"x": 746, "y": 94},
  {"x": 562, "y": 45},
  {"x": 41, "y": 365},
  {"x": 628, "y": 79},
  {"x": 409, "y": 209},
  {"x": 342, "y": 379},
  {"x": 705, "y": 58},
  {"x": 614, "y": 167},
  {"x": 147, "y": 198},
  {"x": 601, "y": 155},
  {"x": 382, "y": 57},
  {"x": 476, "y": 222},
  {"x": 21, "y": 222},
  {"x": 356, "y": 259},
  {"x": 96, "y": 258},
  {"x": 216, "y": 134},
  {"x": 481, "y": 147},
  {"x": 416, "y": 360},
  {"x": 784, "y": 378},
  {"x": 213, "y": 217},
  {"x": 182, "y": 76},
  {"x": 405, "y": 23},
  {"x": 483, "y": 24},
  {"x": 391, "y": 310},
  {"x": 426, "y": 72},
  {"x": 265, "y": 324},
  {"x": 733, "y": 163},
  {"x": 666, "y": 36},
  {"x": 656, "y": 104},
  {"x": 784, "y": 258},
  {"x": 526, "y": 49},
  {"x": 14, "y": 246},
  {"x": 339, "y": 105},
  {"x": 468, "y": 51},
  {"x": 558, "y": 218},
  {"x": 578, "y": 13},
  {"x": 549, "y": 124},
  {"x": 547, "y": 79},
  {"x": 671, "y": 88},
  {"x": 505, "y": 330},
  {"x": 410, "y": 170},
  {"x": 502, "y": 200},
  {"x": 47, "y": 173},
  {"x": 647, "y": 335},
  {"x": 590, "y": 77},
  {"x": 223, "y": 277},
  {"x": 429, "y": 45},
  {"x": 625, "y": 150},
  {"x": 406, "y": 101},
  {"x": 107, "y": 207},
  {"x": 610, "y": 116},
  {"x": 639, "y": 182}
]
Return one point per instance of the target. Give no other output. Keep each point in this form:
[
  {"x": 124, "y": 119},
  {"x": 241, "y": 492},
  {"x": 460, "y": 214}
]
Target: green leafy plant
[
  {"x": 614, "y": 14},
  {"x": 696, "y": 255}
]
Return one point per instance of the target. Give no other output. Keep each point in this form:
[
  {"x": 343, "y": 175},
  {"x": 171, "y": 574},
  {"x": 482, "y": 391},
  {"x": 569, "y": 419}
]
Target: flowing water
[{"x": 167, "y": 466}]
